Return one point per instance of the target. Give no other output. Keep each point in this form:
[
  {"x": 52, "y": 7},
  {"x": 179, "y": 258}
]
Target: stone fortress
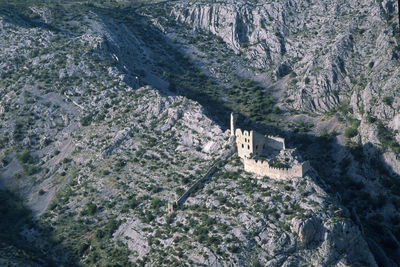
[
  {"x": 267, "y": 155},
  {"x": 262, "y": 155}
]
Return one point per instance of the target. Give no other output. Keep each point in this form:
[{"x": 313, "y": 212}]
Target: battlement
[{"x": 263, "y": 168}]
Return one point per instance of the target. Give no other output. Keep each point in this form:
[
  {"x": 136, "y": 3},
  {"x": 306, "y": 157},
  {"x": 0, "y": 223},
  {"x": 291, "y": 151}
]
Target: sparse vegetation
[
  {"x": 388, "y": 100},
  {"x": 387, "y": 140},
  {"x": 71, "y": 93},
  {"x": 350, "y": 132}
]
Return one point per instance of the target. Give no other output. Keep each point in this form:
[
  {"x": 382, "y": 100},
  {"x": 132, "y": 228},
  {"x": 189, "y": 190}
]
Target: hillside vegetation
[{"x": 110, "y": 110}]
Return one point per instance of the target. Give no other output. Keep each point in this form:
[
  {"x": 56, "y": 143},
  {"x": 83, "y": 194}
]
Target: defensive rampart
[
  {"x": 196, "y": 184},
  {"x": 262, "y": 168},
  {"x": 221, "y": 161}
]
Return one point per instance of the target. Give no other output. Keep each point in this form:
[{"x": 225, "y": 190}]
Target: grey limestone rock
[
  {"x": 118, "y": 139},
  {"x": 335, "y": 242},
  {"x": 308, "y": 231}
]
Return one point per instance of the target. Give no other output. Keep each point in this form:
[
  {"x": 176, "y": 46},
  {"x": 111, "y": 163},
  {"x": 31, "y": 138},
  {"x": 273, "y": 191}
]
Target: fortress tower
[{"x": 233, "y": 120}]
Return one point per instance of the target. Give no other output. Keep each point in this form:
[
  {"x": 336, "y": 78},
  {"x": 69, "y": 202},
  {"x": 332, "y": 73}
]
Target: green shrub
[
  {"x": 179, "y": 191},
  {"x": 82, "y": 247},
  {"x": 234, "y": 249},
  {"x": 371, "y": 64},
  {"x": 91, "y": 209},
  {"x": 325, "y": 135},
  {"x": 133, "y": 203},
  {"x": 386, "y": 137},
  {"x": 19, "y": 131},
  {"x": 388, "y": 100},
  {"x": 157, "y": 203},
  {"x": 355, "y": 123},
  {"x": 86, "y": 120},
  {"x": 279, "y": 164},
  {"x": 370, "y": 119},
  {"x": 17, "y": 175},
  {"x": 25, "y": 157},
  {"x": 350, "y": 132},
  {"x": 302, "y": 127},
  {"x": 345, "y": 108},
  {"x": 111, "y": 227},
  {"x": 30, "y": 169},
  {"x": 357, "y": 151}
]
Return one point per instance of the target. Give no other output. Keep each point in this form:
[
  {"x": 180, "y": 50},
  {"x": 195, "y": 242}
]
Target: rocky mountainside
[
  {"x": 341, "y": 56},
  {"x": 337, "y": 58},
  {"x": 110, "y": 111},
  {"x": 332, "y": 47}
]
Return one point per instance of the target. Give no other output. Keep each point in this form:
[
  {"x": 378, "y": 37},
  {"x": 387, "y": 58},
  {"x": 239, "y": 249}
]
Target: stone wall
[
  {"x": 244, "y": 143},
  {"x": 194, "y": 186},
  {"x": 259, "y": 144},
  {"x": 276, "y": 142},
  {"x": 222, "y": 160},
  {"x": 262, "y": 168},
  {"x": 250, "y": 143}
]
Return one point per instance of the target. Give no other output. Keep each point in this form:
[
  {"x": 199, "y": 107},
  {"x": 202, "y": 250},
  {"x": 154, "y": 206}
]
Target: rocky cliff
[{"x": 333, "y": 51}]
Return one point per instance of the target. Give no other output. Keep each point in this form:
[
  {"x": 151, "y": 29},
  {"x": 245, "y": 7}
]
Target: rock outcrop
[
  {"x": 332, "y": 238},
  {"x": 308, "y": 231}
]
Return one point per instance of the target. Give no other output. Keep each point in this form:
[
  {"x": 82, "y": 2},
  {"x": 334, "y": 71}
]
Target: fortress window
[
  {"x": 245, "y": 139},
  {"x": 242, "y": 146},
  {"x": 248, "y": 146}
]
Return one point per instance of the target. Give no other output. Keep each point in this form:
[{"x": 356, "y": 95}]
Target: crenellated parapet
[{"x": 263, "y": 168}]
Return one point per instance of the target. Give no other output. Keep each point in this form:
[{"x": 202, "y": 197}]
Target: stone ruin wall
[
  {"x": 276, "y": 142},
  {"x": 244, "y": 143},
  {"x": 262, "y": 168},
  {"x": 250, "y": 143}
]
